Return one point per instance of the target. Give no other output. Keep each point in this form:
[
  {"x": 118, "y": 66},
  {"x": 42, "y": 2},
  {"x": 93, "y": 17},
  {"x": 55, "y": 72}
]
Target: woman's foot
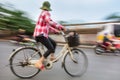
[
  {"x": 52, "y": 58},
  {"x": 40, "y": 65}
]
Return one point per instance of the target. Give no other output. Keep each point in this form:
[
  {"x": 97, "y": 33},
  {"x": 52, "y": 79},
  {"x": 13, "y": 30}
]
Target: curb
[
  {"x": 1, "y": 40},
  {"x": 80, "y": 46},
  {"x": 86, "y": 46}
]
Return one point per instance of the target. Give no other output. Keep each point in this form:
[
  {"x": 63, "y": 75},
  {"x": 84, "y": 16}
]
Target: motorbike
[{"x": 100, "y": 48}]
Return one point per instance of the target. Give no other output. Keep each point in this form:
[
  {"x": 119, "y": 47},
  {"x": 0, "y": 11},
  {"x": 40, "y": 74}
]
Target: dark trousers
[{"x": 49, "y": 43}]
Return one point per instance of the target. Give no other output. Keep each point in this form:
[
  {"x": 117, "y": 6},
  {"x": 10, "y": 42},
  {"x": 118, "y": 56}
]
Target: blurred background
[{"x": 20, "y": 16}]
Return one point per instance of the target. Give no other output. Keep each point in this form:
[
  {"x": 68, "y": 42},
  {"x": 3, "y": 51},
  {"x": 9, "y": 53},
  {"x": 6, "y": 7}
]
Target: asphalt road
[{"x": 101, "y": 67}]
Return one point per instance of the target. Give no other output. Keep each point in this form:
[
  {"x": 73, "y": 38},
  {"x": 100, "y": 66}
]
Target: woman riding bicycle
[{"x": 43, "y": 26}]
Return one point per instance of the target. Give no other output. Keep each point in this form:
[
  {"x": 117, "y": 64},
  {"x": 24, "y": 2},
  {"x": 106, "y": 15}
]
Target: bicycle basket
[{"x": 73, "y": 40}]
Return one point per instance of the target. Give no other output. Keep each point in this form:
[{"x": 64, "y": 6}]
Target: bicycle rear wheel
[
  {"x": 77, "y": 68},
  {"x": 19, "y": 62}
]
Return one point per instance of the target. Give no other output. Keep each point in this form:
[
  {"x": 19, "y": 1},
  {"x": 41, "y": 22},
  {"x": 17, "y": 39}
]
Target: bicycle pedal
[{"x": 48, "y": 64}]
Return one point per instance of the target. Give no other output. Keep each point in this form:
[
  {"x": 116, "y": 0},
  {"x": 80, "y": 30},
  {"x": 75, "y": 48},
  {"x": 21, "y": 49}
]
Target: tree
[
  {"x": 14, "y": 19},
  {"x": 114, "y": 16}
]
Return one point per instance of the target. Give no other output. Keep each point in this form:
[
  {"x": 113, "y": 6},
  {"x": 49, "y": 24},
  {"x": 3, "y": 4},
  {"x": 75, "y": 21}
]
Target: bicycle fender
[{"x": 13, "y": 52}]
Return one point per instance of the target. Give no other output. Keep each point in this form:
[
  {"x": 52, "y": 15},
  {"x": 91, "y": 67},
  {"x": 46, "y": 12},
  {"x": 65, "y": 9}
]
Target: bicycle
[{"x": 22, "y": 59}]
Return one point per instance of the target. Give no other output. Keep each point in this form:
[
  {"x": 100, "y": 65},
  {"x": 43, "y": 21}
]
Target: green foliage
[
  {"x": 114, "y": 16},
  {"x": 13, "y": 19}
]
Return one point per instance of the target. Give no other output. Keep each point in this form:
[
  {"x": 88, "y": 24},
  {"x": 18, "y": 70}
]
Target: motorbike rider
[{"x": 108, "y": 42}]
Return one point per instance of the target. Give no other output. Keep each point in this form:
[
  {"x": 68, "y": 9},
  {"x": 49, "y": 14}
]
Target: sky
[{"x": 65, "y": 10}]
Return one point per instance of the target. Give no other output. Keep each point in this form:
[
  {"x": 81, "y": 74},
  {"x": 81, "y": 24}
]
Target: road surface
[{"x": 101, "y": 67}]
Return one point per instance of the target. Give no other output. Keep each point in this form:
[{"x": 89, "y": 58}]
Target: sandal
[
  {"x": 42, "y": 67},
  {"x": 52, "y": 58}
]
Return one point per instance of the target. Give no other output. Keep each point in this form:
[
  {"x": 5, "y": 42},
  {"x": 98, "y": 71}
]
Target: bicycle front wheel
[
  {"x": 78, "y": 66},
  {"x": 19, "y": 62}
]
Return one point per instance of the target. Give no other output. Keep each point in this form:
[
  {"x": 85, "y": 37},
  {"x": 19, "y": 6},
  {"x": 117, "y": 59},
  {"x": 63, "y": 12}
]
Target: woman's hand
[{"x": 64, "y": 29}]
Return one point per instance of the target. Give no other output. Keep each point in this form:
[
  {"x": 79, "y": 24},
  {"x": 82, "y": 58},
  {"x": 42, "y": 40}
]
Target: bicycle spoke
[
  {"x": 76, "y": 66},
  {"x": 16, "y": 64},
  {"x": 19, "y": 64}
]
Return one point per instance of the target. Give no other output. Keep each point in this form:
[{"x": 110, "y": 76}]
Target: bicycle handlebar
[{"x": 63, "y": 33}]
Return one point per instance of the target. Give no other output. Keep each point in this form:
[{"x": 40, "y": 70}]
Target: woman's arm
[{"x": 52, "y": 23}]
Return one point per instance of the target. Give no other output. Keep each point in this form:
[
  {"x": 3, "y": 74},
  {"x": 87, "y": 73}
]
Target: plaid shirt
[{"x": 45, "y": 24}]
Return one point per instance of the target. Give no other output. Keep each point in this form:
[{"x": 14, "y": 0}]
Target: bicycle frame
[{"x": 66, "y": 49}]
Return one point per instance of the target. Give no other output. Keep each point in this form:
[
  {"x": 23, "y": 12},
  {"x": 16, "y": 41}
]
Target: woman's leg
[
  {"x": 52, "y": 57},
  {"x": 50, "y": 45},
  {"x": 39, "y": 64},
  {"x": 110, "y": 46}
]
